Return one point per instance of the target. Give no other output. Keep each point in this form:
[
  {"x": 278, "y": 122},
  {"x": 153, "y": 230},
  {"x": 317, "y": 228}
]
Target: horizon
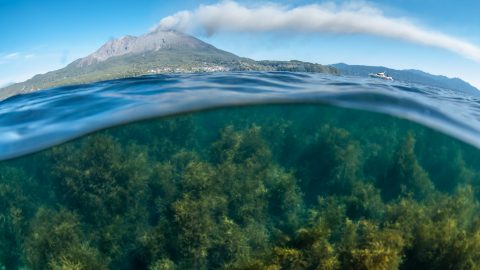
[{"x": 53, "y": 46}]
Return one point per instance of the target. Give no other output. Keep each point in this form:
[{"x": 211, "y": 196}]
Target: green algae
[{"x": 263, "y": 187}]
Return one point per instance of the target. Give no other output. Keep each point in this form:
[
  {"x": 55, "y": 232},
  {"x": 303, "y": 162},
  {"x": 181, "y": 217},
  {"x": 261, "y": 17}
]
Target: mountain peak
[
  {"x": 149, "y": 42},
  {"x": 158, "y": 51}
]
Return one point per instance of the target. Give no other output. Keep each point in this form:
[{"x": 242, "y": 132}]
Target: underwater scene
[
  {"x": 240, "y": 135},
  {"x": 285, "y": 186}
]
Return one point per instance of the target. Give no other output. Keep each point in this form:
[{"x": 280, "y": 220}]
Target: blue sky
[{"x": 39, "y": 36}]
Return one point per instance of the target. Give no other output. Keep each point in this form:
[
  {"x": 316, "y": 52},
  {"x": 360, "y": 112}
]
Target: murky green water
[{"x": 264, "y": 187}]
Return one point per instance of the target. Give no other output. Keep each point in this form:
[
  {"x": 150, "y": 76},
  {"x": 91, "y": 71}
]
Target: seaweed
[{"x": 260, "y": 187}]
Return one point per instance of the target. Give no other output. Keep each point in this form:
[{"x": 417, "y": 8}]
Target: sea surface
[
  {"x": 248, "y": 170},
  {"x": 38, "y": 120}
]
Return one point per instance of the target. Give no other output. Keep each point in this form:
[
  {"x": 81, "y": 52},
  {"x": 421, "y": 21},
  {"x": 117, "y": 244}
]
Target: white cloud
[
  {"x": 181, "y": 20},
  {"x": 350, "y": 18},
  {"x": 11, "y": 56},
  {"x": 16, "y": 56}
]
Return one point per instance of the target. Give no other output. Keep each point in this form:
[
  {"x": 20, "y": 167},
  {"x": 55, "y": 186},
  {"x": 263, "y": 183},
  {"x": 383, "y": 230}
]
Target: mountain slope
[
  {"x": 411, "y": 76},
  {"x": 155, "y": 52},
  {"x": 153, "y": 41}
]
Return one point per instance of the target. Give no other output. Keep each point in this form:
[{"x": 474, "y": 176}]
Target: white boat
[{"x": 381, "y": 75}]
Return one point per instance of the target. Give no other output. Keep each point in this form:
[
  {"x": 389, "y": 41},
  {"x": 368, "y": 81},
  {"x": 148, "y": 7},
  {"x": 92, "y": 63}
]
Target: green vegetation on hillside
[
  {"x": 270, "y": 187},
  {"x": 158, "y": 62}
]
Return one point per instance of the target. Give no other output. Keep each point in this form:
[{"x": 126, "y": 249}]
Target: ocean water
[
  {"x": 240, "y": 171},
  {"x": 38, "y": 120}
]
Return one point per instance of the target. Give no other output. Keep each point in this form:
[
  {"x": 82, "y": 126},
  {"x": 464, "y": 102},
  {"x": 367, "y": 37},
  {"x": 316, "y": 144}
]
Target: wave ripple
[{"x": 35, "y": 121}]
